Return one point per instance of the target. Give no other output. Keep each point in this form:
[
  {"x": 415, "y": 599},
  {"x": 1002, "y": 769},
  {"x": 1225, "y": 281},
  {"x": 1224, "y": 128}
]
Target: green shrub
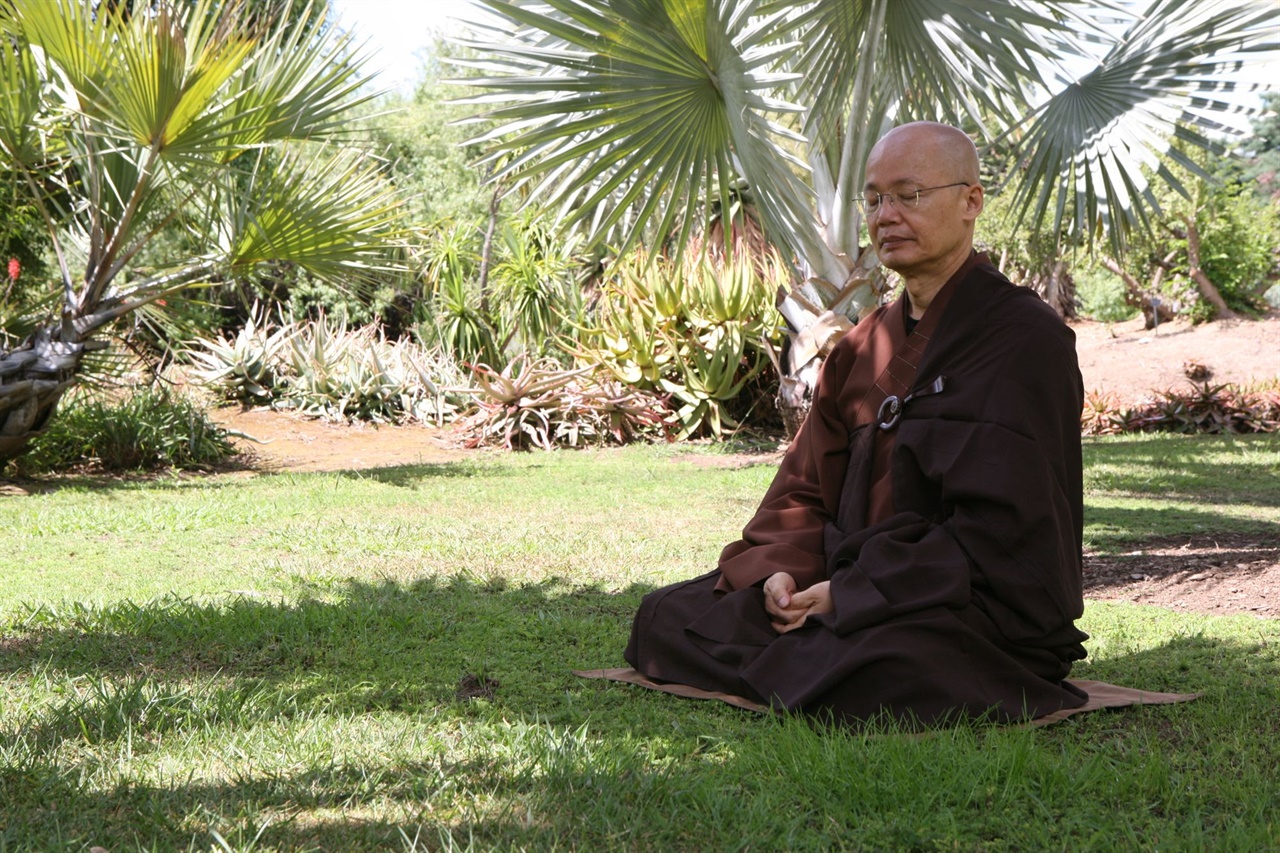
[
  {"x": 1102, "y": 296},
  {"x": 150, "y": 430},
  {"x": 1238, "y": 236}
]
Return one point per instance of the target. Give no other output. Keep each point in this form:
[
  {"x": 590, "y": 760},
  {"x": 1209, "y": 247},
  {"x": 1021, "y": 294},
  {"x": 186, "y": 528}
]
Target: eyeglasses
[{"x": 870, "y": 203}]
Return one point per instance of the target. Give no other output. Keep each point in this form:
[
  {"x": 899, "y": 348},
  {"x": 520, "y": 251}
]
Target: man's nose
[{"x": 887, "y": 211}]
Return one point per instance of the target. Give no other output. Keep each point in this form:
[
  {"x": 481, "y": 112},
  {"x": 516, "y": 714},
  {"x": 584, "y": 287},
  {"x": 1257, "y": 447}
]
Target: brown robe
[{"x": 951, "y": 539}]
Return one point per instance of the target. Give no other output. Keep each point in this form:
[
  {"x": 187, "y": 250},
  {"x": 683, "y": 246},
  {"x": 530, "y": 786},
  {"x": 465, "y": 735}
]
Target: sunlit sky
[{"x": 399, "y": 32}]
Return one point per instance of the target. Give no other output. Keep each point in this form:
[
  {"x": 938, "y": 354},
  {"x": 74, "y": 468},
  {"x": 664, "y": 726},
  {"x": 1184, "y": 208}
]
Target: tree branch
[
  {"x": 1207, "y": 288},
  {"x": 1132, "y": 287}
]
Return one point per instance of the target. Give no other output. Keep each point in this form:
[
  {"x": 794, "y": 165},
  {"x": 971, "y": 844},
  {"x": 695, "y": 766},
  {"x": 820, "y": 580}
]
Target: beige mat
[{"x": 1101, "y": 694}]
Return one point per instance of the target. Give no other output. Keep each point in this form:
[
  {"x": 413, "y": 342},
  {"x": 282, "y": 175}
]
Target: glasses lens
[{"x": 869, "y": 203}]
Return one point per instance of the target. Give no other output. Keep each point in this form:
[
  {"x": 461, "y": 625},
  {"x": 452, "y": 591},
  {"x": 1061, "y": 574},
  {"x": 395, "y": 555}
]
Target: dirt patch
[
  {"x": 476, "y": 687},
  {"x": 1131, "y": 362},
  {"x": 285, "y": 441},
  {"x": 1227, "y": 573}
]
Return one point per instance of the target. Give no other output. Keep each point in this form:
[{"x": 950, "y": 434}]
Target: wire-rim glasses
[{"x": 870, "y": 203}]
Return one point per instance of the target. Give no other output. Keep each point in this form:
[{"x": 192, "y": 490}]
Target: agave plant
[
  {"x": 249, "y": 368},
  {"x": 633, "y": 118},
  {"x": 200, "y": 115}
]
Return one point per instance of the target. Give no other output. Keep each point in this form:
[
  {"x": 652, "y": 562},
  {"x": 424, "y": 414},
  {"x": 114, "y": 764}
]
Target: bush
[
  {"x": 1102, "y": 296},
  {"x": 1238, "y": 236},
  {"x": 150, "y": 430}
]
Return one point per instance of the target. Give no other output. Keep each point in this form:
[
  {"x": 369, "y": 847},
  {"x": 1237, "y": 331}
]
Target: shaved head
[{"x": 948, "y": 148}]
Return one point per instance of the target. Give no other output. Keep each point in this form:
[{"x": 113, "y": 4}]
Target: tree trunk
[
  {"x": 1057, "y": 289},
  {"x": 486, "y": 251},
  {"x": 33, "y": 379},
  {"x": 1207, "y": 288},
  {"x": 1133, "y": 289}
]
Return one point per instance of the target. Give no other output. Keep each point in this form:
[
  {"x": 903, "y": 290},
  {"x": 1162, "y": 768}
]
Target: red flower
[{"x": 15, "y": 269}]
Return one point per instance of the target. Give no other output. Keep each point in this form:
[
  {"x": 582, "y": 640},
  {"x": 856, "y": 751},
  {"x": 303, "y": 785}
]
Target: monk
[{"x": 919, "y": 551}]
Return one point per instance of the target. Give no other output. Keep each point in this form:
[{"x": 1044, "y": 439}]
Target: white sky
[{"x": 399, "y": 31}]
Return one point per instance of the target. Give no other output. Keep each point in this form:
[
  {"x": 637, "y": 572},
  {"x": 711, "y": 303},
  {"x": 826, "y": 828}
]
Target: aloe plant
[
  {"x": 248, "y": 368},
  {"x": 324, "y": 369},
  {"x": 698, "y": 330}
]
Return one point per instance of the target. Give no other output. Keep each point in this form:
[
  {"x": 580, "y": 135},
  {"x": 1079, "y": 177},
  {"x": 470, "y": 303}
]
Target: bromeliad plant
[
  {"x": 699, "y": 330},
  {"x": 537, "y": 403},
  {"x": 120, "y": 122},
  {"x": 1201, "y": 408}
]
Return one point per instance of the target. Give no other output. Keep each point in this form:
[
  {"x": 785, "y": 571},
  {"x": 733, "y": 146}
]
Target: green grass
[
  {"x": 272, "y": 663},
  {"x": 1142, "y": 487}
]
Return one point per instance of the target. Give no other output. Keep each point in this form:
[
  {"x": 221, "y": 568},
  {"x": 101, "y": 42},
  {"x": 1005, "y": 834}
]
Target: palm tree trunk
[{"x": 33, "y": 379}]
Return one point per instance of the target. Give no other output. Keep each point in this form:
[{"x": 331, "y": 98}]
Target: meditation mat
[{"x": 1101, "y": 694}]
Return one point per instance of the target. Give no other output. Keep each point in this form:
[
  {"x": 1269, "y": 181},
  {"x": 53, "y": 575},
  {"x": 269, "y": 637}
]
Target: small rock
[
  {"x": 1198, "y": 576},
  {"x": 1136, "y": 577}
]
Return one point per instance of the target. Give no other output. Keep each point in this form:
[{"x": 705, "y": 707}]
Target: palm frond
[
  {"x": 642, "y": 112},
  {"x": 1095, "y": 145},
  {"x": 335, "y": 216}
]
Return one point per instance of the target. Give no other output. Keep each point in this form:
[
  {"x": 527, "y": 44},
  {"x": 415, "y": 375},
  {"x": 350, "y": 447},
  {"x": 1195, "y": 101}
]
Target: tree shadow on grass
[
  {"x": 408, "y": 476},
  {"x": 1111, "y": 529},
  {"x": 1238, "y": 468},
  {"x": 627, "y": 768}
]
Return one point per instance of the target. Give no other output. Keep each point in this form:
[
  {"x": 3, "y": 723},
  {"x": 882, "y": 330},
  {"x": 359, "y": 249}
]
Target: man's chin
[{"x": 894, "y": 259}]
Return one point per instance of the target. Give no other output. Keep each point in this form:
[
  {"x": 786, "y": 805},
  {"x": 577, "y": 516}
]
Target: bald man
[{"x": 918, "y": 553}]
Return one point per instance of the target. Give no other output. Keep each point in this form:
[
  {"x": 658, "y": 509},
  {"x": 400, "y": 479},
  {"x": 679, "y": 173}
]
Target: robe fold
[{"x": 951, "y": 536}]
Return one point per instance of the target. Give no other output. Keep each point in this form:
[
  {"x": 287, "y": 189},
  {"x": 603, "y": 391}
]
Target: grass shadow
[
  {"x": 662, "y": 773},
  {"x": 1226, "y": 469},
  {"x": 1111, "y": 528}
]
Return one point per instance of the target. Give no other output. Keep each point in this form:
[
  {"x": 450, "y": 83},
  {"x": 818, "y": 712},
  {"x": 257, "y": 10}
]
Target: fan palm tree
[
  {"x": 118, "y": 127},
  {"x": 630, "y": 117}
]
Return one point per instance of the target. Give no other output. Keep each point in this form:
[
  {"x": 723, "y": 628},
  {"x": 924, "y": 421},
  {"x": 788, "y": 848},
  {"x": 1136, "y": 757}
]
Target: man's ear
[{"x": 975, "y": 198}]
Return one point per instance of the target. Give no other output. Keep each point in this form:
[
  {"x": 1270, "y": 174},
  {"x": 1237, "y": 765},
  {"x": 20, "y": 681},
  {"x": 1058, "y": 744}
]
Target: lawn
[{"x": 381, "y": 660}]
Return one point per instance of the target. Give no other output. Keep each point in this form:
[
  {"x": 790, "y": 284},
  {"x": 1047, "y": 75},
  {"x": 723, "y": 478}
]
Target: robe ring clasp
[{"x": 890, "y": 413}]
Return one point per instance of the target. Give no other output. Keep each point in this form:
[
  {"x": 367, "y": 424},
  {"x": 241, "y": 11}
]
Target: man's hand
[{"x": 787, "y": 608}]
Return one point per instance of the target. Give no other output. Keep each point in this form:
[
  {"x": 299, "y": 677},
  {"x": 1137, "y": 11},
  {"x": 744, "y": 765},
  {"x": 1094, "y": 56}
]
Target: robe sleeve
[
  {"x": 786, "y": 532},
  {"x": 989, "y": 489}
]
